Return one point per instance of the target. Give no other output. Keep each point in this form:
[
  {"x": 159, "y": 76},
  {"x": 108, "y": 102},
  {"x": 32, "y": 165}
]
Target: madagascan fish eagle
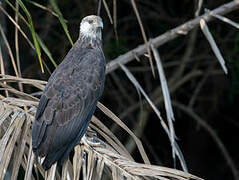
[{"x": 70, "y": 96}]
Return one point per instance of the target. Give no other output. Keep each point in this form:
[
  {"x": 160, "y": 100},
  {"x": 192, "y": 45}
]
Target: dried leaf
[{"x": 213, "y": 44}]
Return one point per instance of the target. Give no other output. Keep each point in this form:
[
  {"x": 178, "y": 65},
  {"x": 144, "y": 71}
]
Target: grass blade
[
  {"x": 61, "y": 19},
  {"x": 46, "y": 50},
  {"x": 43, "y": 7},
  {"x": 36, "y": 44}
]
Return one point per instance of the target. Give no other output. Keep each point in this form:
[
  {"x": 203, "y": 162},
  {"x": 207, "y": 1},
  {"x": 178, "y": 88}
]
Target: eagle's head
[{"x": 91, "y": 27}]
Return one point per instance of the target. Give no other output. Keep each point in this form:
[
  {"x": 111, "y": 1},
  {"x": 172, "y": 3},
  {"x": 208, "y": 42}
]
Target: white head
[{"x": 91, "y": 26}]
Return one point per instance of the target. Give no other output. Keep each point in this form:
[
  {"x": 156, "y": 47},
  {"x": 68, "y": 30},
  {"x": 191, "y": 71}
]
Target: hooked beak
[
  {"x": 99, "y": 28},
  {"x": 100, "y": 25}
]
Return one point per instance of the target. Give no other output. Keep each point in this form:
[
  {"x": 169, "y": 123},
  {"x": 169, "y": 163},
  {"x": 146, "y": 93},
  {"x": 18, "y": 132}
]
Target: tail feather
[
  {"x": 64, "y": 151},
  {"x": 51, "y": 158}
]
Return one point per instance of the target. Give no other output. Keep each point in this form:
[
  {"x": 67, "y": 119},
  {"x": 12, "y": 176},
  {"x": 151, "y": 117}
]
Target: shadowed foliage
[{"x": 170, "y": 95}]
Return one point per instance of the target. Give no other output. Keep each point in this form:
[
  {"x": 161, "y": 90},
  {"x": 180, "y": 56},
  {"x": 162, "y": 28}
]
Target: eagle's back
[{"x": 68, "y": 102}]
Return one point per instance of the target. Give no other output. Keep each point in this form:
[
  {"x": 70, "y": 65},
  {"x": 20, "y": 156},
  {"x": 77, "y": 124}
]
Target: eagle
[{"x": 70, "y": 96}]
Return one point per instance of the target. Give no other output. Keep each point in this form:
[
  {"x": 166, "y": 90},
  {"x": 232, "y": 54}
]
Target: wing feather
[
  {"x": 67, "y": 101},
  {"x": 41, "y": 107}
]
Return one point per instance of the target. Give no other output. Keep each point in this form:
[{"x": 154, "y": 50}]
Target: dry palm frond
[
  {"x": 224, "y": 19},
  {"x": 17, "y": 92},
  {"x": 167, "y": 100},
  {"x": 9, "y": 50},
  {"x": 121, "y": 124},
  {"x": 108, "y": 11},
  {"x": 169, "y": 130},
  {"x": 2, "y": 68},
  {"x": 199, "y": 7},
  {"x": 143, "y": 34},
  {"x": 213, "y": 44},
  {"x": 94, "y": 158},
  {"x": 37, "y": 83},
  {"x": 17, "y": 26}
]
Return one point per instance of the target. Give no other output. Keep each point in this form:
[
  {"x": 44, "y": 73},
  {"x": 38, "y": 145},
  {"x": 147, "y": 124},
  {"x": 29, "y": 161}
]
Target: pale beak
[{"x": 100, "y": 25}]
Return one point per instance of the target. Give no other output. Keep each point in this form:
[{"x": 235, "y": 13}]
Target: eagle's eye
[{"x": 90, "y": 21}]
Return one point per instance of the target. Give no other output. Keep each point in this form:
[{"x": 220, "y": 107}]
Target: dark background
[{"x": 216, "y": 102}]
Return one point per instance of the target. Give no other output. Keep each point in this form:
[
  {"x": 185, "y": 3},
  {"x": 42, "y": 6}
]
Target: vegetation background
[{"x": 205, "y": 100}]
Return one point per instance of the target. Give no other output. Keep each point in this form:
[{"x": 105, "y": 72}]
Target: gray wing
[{"x": 69, "y": 97}]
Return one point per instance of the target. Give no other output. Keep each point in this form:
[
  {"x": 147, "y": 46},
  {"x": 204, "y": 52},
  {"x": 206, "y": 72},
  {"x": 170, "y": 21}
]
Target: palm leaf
[
  {"x": 61, "y": 19},
  {"x": 32, "y": 29},
  {"x": 106, "y": 158}
]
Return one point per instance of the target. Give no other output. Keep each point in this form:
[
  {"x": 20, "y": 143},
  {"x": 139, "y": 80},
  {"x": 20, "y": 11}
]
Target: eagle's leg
[{"x": 91, "y": 141}]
